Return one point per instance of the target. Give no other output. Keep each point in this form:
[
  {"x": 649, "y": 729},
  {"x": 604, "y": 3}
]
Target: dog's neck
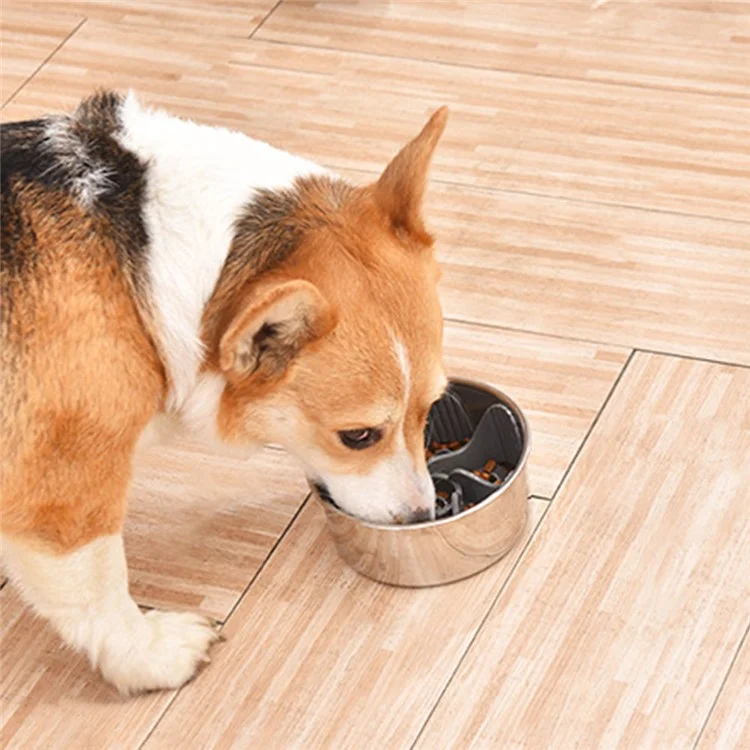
[{"x": 206, "y": 187}]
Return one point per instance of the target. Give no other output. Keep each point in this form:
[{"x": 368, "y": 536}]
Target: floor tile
[
  {"x": 636, "y": 585},
  {"x": 633, "y": 278},
  {"x": 652, "y": 280},
  {"x": 574, "y": 139},
  {"x": 199, "y": 526},
  {"x": 691, "y": 46},
  {"x": 335, "y": 660}
]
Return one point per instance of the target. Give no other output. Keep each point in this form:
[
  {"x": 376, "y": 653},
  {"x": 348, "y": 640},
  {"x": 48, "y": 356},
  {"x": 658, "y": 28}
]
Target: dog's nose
[{"x": 420, "y": 515}]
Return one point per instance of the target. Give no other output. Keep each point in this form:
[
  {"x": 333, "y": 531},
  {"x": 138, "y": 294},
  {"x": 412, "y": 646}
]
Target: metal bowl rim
[{"x": 413, "y": 527}]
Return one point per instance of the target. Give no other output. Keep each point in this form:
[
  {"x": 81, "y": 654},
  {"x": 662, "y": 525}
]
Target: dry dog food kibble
[
  {"x": 435, "y": 447},
  {"x": 493, "y": 472}
]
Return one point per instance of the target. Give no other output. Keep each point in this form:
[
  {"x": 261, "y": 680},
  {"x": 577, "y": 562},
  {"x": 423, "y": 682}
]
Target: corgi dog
[{"x": 156, "y": 272}]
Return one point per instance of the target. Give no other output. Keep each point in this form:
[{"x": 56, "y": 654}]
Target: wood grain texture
[
  {"x": 695, "y": 46},
  {"x": 594, "y": 183},
  {"x": 335, "y": 660},
  {"x": 729, "y": 723},
  {"x": 647, "y": 279},
  {"x": 636, "y": 586},
  {"x": 639, "y": 279},
  {"x": 50, "y": 697},
  {"x": 560, "y": 386},
  {"x": 26, "y": 41},
  {"x": 200, "y": 526},
  {"x": 575, "y": 139},
  {"x": 238, "y": 18}
]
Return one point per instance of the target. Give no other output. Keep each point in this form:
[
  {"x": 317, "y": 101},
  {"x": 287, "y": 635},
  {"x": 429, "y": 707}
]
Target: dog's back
[{"x": 77, "y": 360}]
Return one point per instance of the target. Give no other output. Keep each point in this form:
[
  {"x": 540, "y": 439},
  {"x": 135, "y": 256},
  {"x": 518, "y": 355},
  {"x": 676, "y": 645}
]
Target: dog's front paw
[{"x": 168, "y": 650}]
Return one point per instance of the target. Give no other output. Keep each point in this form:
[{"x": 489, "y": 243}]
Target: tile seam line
[
  {"x": 594, "y": 422},
  {"x": 721, "y": 687},
  {"x": 44, "y": 62},
  {"x": 595, "y": 342},
  {"x": 223, "y": 622},
  {"x": 264, "y": 19},
  {"x": 480, "y": 627},
  {"x": 491, "y": 190},
  {"x": 505, "y": 71},
  {"x": 541, "y": 498}
]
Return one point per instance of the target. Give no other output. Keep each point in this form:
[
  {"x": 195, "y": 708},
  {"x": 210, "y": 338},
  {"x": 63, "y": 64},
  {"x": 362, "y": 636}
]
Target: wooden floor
[{"x": 592, "y": 204}]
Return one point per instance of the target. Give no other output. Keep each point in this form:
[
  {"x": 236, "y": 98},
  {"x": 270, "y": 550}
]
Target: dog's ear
[
  {"x": 273, "y": 327},
  {"x": 401, "y": 188}
]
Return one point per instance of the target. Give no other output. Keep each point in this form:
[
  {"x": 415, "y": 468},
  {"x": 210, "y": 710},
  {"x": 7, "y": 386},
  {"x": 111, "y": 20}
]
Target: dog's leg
[{"x": 84, "y": 595}]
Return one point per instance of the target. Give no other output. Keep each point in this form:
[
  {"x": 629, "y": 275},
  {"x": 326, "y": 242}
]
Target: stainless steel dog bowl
[{"x": 449, "y": 549}]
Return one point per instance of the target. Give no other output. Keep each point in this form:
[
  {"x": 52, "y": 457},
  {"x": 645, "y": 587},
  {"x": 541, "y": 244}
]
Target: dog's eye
[{"x": 357, "y": 440}]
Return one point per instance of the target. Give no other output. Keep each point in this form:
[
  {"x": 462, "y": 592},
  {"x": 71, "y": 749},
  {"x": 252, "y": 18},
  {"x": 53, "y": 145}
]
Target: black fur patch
[
  {"x": 266, "y": 234},
  {"x": 77, "y": 155},
  {"x": 273, "y": 223}
]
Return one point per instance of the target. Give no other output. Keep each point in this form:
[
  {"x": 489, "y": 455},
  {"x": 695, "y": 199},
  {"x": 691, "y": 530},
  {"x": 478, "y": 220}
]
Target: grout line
[
  {"x": 736, "y": 98},
  {"x": 721, "y": 687},
  {"x": 264, "y": 19},
  {"x": 533, "y": 332},
  {"x": 268, "y": 557},
  {"x": 491, "y": 190},
  {"x": 43, "y": 63},
  {"x": 231, "y": 612},
  {"x": 493, "y": 603},
  {"x": 710, "y": 361},
  {"x": 540, "y": 497},
  {"x": 594, "y": 422},
  {"x": 595, "y": 342},
  {"x": 591, "y": 202}
]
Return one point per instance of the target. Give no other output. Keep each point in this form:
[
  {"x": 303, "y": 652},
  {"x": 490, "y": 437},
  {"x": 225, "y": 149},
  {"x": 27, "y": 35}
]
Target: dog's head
[{"x": 336, "y": 353}]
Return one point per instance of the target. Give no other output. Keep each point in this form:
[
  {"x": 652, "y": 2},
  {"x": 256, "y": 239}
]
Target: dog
[{"x": 159, "y": 274}]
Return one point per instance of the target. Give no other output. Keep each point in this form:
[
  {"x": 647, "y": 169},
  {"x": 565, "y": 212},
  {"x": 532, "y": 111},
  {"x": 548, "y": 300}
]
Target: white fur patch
[
  {"x": 199, "y": 180},
  {"x": 84, "y": 595},
  {"x": 402, "y": 357}
]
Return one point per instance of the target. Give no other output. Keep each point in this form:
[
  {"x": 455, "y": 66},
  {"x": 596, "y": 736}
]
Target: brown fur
[
  {"x": 81, "y": 377},
  {"x": 268, "y": 234},
  {"x": 367, "y": 252}
]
